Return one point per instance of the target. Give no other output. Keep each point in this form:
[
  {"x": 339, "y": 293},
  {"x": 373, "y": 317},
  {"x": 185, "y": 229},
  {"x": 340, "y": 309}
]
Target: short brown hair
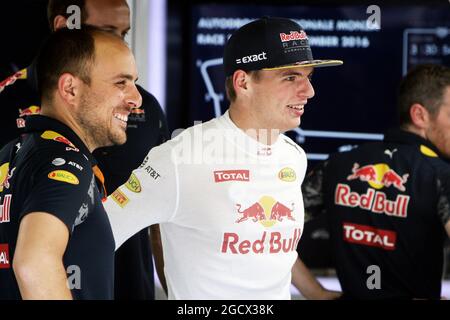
[
  {"x": 425, "y": 84},
  {"x": 229, "y": 88},
  {"x": 66, "y": 51},
  {"x": 59, "y": 8}
]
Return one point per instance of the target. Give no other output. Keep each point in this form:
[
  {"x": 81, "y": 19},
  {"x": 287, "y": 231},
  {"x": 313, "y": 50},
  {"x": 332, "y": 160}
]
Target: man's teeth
[
  {"x": 121, "y": 117},
  {"x": 296, "y": 106}
]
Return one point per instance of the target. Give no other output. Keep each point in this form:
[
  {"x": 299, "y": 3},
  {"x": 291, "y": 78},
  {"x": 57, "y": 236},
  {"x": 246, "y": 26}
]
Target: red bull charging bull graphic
[
  {"x": 52, "y": 135},
  {"x": 378, "y": 176},
  {"x": 23, "y": 113},
  {"x": 267, "y": 212}
]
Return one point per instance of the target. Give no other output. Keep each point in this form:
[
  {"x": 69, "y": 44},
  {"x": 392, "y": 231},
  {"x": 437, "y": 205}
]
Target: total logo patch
[
  {"x": 287, "y": 175},
  {"x": 231, "y": 175},
  {"x": 133, "y": 184},
  {"x": 63, "y": 176}
]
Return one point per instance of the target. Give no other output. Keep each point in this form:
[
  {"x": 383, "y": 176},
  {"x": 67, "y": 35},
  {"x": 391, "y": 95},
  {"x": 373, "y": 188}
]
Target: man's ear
[
  {"x": 241, "y": 82},
  {"x": 59, "y": 22},
  {"x": 69, "y": 88},
  {"x": 420, "y": 117}
]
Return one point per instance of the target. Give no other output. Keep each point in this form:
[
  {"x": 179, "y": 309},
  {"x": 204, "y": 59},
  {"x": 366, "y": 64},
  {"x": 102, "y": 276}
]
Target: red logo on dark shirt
[
  {"x": 4, "y": 256},
  {"x": 369, "y": 236}
]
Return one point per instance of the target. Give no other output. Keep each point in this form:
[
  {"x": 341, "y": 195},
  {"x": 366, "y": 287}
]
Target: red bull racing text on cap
[{"x": 270, "y": 43}]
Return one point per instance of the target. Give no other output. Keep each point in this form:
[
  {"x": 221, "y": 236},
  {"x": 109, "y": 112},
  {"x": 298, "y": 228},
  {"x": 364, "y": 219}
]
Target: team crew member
[
  {"x": 388, "y": 203},
  {"x": 146, "y": 128},
  {"x": 53, "y": 220},
  {"x": 237, "y": 241}
]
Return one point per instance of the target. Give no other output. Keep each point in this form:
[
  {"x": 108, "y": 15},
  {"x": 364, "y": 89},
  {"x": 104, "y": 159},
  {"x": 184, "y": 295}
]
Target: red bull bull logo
[
  {"x": 30, "y": 111},
  {"x": 378, "y": 176},
  {"x": 267, "y": 211},
  {"x": 52, "y": 135}
]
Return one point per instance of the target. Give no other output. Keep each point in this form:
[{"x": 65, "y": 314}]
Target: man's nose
[
  {"x": 134, "y": 99},
  {"x": 308, "y": 91}
]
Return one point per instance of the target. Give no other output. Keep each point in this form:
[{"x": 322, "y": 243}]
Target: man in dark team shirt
[
  {"x": 55, "y": 237},
  {"x": 146, "y": 128},
  {"x": 388, "y": 203}
]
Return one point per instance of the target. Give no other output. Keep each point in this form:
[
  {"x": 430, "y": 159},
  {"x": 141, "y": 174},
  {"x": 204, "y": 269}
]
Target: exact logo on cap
[{"x": 252, "y": 58}]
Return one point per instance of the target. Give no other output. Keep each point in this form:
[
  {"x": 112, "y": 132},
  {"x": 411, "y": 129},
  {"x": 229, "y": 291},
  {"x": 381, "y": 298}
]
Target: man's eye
[
  {"x": 121, "y": 83},
  {"x": 290, "y": 78}
]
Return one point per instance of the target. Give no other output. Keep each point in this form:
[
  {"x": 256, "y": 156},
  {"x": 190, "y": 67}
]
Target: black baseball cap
[{"x": 268, "y": 44}]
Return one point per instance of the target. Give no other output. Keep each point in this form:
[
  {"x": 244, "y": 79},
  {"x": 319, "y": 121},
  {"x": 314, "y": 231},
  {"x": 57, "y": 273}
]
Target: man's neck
[
  {"x": 267, "y": 136},
  {"x": 69, "y": 121}
]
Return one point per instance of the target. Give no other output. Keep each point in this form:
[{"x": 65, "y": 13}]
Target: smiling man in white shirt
[{"x": 227, "y": 192}]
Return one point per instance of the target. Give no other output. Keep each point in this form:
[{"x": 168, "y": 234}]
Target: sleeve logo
[
  {"x": 133, "y": 184},
  {"x": 63, "y": 176},
  {"x": 120, "y": 198}
]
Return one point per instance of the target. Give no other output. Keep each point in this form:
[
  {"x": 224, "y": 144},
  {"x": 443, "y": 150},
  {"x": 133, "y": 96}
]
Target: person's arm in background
[
  {"x": 302, "y": 278},
  {"x": 38, "y": 258},
  {"x": 158, "y": 254},
  {"x": 307, "y": 284},
  {"x": 155, "y": 234}
]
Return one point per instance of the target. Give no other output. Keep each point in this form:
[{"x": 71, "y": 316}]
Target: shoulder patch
[
  {"x": 52, "y": 135},
  {"x": 120, "y": 198},
  {"x": 287, "y": 174},
  {"x": 428, "y": 152},
  {"x": 64, "y": 176}
]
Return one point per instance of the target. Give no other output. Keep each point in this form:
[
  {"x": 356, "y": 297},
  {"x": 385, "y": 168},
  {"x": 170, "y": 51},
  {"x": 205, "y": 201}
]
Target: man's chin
[{"x": 118, "y": 139}]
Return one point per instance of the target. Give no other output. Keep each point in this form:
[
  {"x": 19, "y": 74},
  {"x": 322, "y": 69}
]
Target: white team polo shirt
[{"x": 230, "y": 211}]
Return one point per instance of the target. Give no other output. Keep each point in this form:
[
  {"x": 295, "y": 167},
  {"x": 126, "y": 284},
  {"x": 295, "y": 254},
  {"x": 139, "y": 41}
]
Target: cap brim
[{"x": 310, "y": 63}]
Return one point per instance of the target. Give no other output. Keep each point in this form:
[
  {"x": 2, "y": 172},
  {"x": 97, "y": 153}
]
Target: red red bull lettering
[
  {"x": 20, "y": 123},
  {"x": 272, "y": 243},
  {"x": 231, "y": 175},
  {"x": 5, "y": 209},
  {"x": 4, "y": 256},
  {"x": 369, "y": 236},
  {"x": 293, "y": 35},
  {"x": 254, "y": 212},
  {"x": 374, "y": 201}
]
